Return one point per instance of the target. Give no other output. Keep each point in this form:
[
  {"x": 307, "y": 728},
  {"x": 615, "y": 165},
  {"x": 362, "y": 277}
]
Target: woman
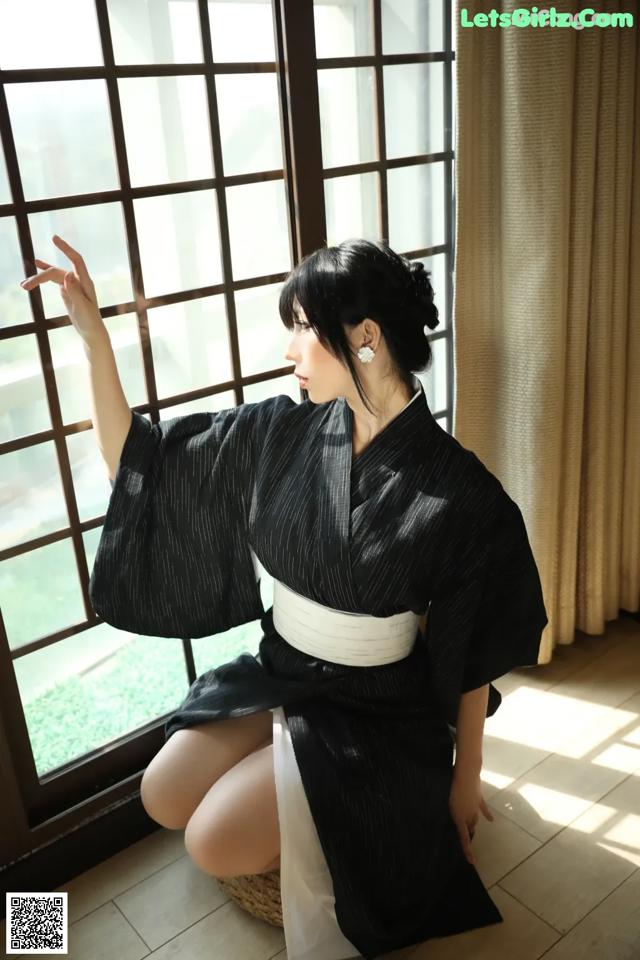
[{"x": 368, "y": 515}]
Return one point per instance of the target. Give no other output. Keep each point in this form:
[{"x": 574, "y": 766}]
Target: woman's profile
[{"x": 348, "y": 751}]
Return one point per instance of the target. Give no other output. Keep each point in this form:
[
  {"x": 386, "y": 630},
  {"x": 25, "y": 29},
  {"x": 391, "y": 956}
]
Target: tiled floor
[{"x": 561, "y": 858}]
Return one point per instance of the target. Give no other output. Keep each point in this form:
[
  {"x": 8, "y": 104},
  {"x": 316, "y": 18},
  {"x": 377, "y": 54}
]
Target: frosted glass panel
[
  {"x": 412, "y": 26},
  {"x": 179, "y": 241},
  {"x": 242, "y": 31},
  {"x": 36, "y": 33},
  {"x": 249, "y": 115},
  {"x": 159, "y": 32},
  {"x": 416, "y": 198},
  {"x": 343, "y": 30},
  {"x": 414, "y": 109},
  {"x": 166, "y": 128},
  {"x": 259, "y": 229},
  {"x": 63, "y": 136},
  {"x": 190, "y": 345},
  {"x": 353, "y": 207},
  {"x": 347, "y": 115}
]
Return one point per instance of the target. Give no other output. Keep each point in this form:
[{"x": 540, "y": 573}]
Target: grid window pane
[
  {"x": 179, "y": 241},
  {"x": 89, "y": 474},
  {"x": 190, "y": 345},
  {"x": 160, "y": 32},
  {"x": 63, "y": 137},
  {"x": 98, "y": 232},
  {"x": 414, "y": 109},
  {"x": 34, "y": 33},
  {"x": 437, "y": 266},
  {"x": 43, "y": 582},
  {"x": 249, "y": 115},
  {"x": 23, "y": 402},
  {"x": 255, "y": 392},
  {"x": 14, "y": 305},
  {"x": 5, "y": 192},
  {"x": 219, "y": 401},
  {"x": 412, "y": 26},
  {"x": 347, "y": 115},
  {"x": 71, "y": 370},
  {"x": 435, "y": 378},
  {"x": 259, "y": 229},
  {"x": 166, "y": 128},
  {"x": 353, "y": 207},
  {"x": 242, "y": 31},
  {"x": 453, "y": 104},
  {"x": 90, "y": 689},
  {"x": 416, "y": 206},
  {"x": 262, "y": 335},
  {"x": 343, "y": 30},
  {"x": 32, "y": 500}
]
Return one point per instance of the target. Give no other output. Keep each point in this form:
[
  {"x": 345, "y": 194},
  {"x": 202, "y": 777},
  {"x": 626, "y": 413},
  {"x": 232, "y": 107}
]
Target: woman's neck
[{"x": 366, "y": 426}]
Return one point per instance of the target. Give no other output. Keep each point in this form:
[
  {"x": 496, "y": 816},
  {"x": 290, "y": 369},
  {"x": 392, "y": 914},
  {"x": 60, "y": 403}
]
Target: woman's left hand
[{"x": 465, "y": 803}]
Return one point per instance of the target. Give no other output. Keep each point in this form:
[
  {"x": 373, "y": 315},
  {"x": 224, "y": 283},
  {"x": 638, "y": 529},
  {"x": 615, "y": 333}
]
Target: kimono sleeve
[
  {"x": 174, "y": 558},
  {"x": 491, "y": 617}
]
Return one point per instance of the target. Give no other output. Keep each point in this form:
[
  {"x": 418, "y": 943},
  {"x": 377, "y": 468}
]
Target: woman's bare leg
[
  {"x": 235, "y": 829},
  {"x": 191, "y": 760}
]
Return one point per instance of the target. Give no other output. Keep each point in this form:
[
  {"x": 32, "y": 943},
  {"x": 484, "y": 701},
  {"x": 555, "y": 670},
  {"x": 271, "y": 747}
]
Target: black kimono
[{"x": 414, "y": 522}]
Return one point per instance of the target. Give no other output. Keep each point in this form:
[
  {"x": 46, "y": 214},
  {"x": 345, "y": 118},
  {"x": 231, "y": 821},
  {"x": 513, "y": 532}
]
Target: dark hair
[{"x": 339, "y": 286}]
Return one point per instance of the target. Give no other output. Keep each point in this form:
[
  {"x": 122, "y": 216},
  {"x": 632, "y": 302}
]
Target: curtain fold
[{"x": 547, "y": 298}]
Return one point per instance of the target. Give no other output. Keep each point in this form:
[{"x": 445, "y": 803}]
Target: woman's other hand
[{"x": 465, "y": 804}]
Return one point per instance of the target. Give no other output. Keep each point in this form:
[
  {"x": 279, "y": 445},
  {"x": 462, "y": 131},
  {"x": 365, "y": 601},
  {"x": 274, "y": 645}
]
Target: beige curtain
[{"x": 547, "y": 297}]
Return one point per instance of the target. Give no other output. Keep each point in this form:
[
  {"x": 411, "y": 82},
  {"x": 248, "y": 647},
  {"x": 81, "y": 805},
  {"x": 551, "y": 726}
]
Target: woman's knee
[
  {"x": 235, "y": 829},
  {"x": 161, "y": 802}
]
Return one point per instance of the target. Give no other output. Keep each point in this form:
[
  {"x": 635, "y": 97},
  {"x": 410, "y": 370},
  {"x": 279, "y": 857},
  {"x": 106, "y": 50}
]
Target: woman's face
[{"x": 327, "y": 378}]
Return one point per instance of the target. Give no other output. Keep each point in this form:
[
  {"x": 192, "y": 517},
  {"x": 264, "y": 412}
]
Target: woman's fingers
[
  {"x": 77, "y": 261},
  {"x": 58, "y": 274},
  {"x": 51, "y": 273}
]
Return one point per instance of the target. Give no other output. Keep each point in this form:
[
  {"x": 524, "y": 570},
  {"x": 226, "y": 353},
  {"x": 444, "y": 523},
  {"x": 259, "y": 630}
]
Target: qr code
[{"x": 36, "y": 923}]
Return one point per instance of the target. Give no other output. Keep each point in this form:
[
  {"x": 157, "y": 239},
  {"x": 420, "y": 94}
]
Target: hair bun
[{"x": 424, "y": 293}]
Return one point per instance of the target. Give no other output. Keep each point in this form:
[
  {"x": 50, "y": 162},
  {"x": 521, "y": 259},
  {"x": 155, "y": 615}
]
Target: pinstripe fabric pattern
[{"x": 413, "y": 523}]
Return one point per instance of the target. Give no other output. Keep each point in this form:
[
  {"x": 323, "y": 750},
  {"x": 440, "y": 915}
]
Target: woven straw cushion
[{"x": 257, "y": 893}]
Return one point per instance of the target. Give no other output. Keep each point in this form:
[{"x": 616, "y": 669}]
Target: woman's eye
[{"x": 303, "y": 326}]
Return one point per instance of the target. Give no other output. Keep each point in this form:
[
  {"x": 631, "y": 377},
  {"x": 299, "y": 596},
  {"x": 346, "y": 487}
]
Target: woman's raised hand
[{"x": 76, "y": 289}]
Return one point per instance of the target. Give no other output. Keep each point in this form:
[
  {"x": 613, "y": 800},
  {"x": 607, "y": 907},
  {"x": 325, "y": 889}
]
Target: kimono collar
[
  {"x": 405, "y": 433},
  {"x": 394, "y": 449}
]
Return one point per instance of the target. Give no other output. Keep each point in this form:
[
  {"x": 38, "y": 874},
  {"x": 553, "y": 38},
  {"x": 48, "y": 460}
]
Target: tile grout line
[{"x": 595, "y": 907}]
